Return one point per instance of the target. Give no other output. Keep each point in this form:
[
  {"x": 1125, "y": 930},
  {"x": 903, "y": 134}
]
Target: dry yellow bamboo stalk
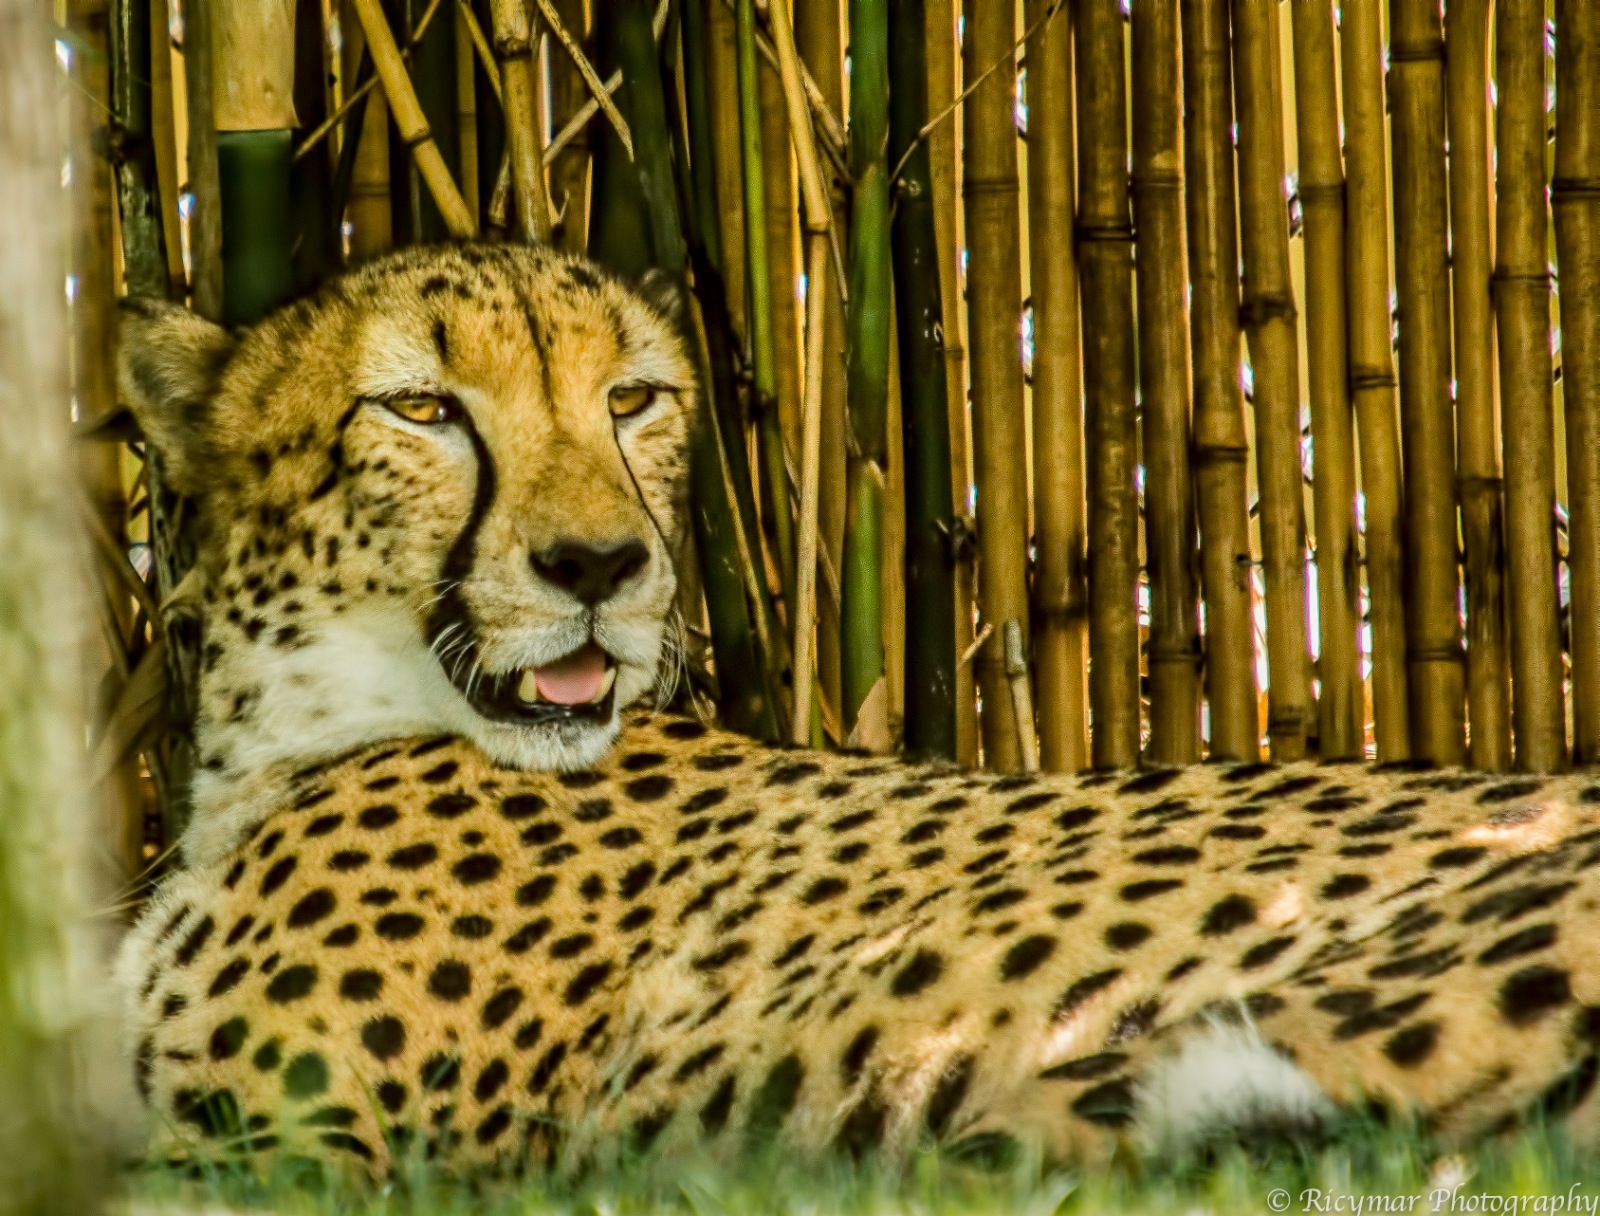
[
  {"x": 367, "y": 209},
  {"x": 818, "y": 34},
  {"x": 515, "y": 46},
  {"x": 815, "y": 196},
  {"x": 782, "y": 225},
  {"x": 1422, "y": 270},
  {"x": 1267, "y": 310},
  {"x": 994, "y": 303},
  {"x": 163, "y": 131},
  {"x": 1372, "y": 379},
  {"x": 1171, "y": 555},
  {"x": 1341, "y": 709},
  {"x": 1522, "y": 321},
  {"x": 940, "y": 52},
  {"x": 1576, "y": 198},
  {"x": 205, "y": 185},
  {"x": 1477, "y": 399},
  {"x": 569, "y": 172},
  {"x": 1021, "y": 696},
  {"x": 1060, "y": 595},
  {"x": 1220, "y": 444}
]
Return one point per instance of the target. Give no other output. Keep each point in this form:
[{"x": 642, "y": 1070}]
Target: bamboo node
[
  {"x": 1209, "y": 455},
  {"x": 1258, "y": 310},
  {"x": 1107, "y": 233},
  {"x": 513, "y": 46},
  {"x": 1318, "y": 193},
  {"x": 1417, "y": 52},
  {"x": 1372, "y": 377},
  {"x": 1574, "y": 189},
  {"x": 976, "y": 187},
  {"x": 420, "y": 136}
]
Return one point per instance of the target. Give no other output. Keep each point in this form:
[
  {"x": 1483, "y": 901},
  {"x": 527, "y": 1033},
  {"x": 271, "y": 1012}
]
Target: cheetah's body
[
  {"x": 700, "y": 936},
  {"x": 415, "y": 488}
]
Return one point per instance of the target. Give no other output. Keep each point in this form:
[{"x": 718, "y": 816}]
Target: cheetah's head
[{"x": 444, "y": 494}]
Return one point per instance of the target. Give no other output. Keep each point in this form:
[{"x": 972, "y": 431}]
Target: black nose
[{"x": 590, "y": 575}]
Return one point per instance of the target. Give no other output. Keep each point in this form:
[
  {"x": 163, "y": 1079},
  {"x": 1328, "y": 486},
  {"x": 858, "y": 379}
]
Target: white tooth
[
  {"x": 528, "y": 687},
  {"x": 606, "y": 682}
]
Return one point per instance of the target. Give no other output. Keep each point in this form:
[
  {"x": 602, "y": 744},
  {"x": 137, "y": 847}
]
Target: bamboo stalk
[
  {"x": 514, "y": 46},
  {"x": 1164, "y": 387},
  {"x": 1477, "y": 401},
  {"x": 1267, "y": 310},
  {"x": 133, "y": 153},
  {"x": 1575, "y": 195},
  {"x": 1105, "y": 231},
  {"x": 696, "y": 47},
  {"x": 723, "y": 88},
  {"x": 1221, "y": 451},
  {"x": 939, "y": 39},
  {"x": 1021, "y": 696},
  {"x": 818, "y": 34},
  {"x": 164, "y": 134},
  {"x": 1422, "y": 265},
  {"x": 367, "y": 206},
  {"x": 867, "y": 321},
  {"x": 569, "y": 173},
  {"x": 205, "y": 186},
  {"x": 1522, "y": 321},
  {"x": 1341, "y": 708},
  {"x": 1372, "y": 379},
  {"x": 929, "y": 718},
  {"x": 490, "y": 98},
  {"x": 778, "y": 428},
  {"x": 430, "y": 57},
  {"x": 466, "y": 74},
  {"x": 1060, "y": 619},
  {"x": 316, "y": 251}
]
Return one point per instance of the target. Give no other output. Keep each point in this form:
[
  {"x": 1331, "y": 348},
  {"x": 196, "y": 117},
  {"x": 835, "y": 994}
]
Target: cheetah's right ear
[{"x": 169, "y": 363}]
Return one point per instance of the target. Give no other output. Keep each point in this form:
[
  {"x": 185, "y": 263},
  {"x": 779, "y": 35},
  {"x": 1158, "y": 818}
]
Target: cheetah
[{"x": 456, "y": 888}]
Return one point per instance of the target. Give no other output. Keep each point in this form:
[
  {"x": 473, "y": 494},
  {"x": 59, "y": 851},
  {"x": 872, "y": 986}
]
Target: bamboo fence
[{"x": 976, "y": 477}]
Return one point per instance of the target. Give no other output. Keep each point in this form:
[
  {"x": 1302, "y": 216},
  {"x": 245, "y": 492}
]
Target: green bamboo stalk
[
  {"x": 1174, "y": 654},
  {"x": 1372, "y": 379},
  {"x": 696, "y": 43},
  {"x": 1427, "y": 420},
  {"x": 492, "y": 128},
  {"x": 144, "y": 254},
  {"x": 930, "y": 725},
  {"x": 257, "y": 228},
  {"x": 51, "y": 1156},
  {"x": 433, "y": 72},
  {"x": 1483, "y": 524},
  {"x": 759, "y": 289},
  {"x": 1105, "y": 229},
  {"x": 746, "y": 701},
  {"x": 867, "y": 327},
  {"x": 1522, "y": 322},
  {"x": 1341, "y": 710},
  {"x": 1576, "y": 198}
]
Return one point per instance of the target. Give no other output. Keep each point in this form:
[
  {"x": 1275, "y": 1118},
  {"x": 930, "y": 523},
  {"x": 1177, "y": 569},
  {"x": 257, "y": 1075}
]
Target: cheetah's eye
[
  {"x": 426, "y": 410},
  {"x": 630, "y": 399}
]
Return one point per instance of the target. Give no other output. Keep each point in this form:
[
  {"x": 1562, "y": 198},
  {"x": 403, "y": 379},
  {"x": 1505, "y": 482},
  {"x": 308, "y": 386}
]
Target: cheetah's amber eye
[
  {"x": 630, "y": 399},
  {"x": 426, "y": 410}
]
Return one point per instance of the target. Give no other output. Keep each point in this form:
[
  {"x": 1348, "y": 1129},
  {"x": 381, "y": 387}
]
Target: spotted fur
[{"x": 420, "y": 940}]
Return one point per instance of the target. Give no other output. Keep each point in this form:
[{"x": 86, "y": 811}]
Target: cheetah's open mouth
[{"x": 580, "y": 686}]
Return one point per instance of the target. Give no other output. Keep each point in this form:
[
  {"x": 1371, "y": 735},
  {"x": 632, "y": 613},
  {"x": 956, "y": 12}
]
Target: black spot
[
  {"x": 1135, "y": 892},
  {"x": 621, "y": 838},
  {"x": 648, "y": 788},
  {"x": 311, "y": 908},
  {"x": 722, "y": 956},
  {"x": 528, "y": 1034},
  {"x": 714, "y": 1114},
  {"x": 521, "y": 806},
  {"x": 1508, "y": 791},
  {"x": 228, "y": 1038},
  {"x": 1346, "y": 1002},
  {"x": 534, "y": 892},
  {"x": 480, "y": 867},
  {"x": 398, "y": 926},
  {"x": 451, "y": 806},
  {"x": 996, "y": 900},
  {"x": 440, "y": 1071},
  {"x": 347, "y": 860},
  {"x": 392, "y": 1095},
  {"x": 292, "y": 983},
  {"x": 703, "y": 801},
  {"x": 1263, "y": 953},
  {"x": 494, "y": 1124},
  {"x": 527, "y": 937},
  {"x": 499, "y": 1008},
  {"x": 924, "y": 968},
  {"x": 323, "y": 825},
  {"x": 1513, "y": 902},
  {"x": 440, "y": 772},
  {"x": 278, "y": 874},
  {"x": 1429, "y": 963},
  {"x": 1524, "y": 941},
  {"x": 1342, "y": 886},
  {"x": 1454, "y": 858},
  {"x": 1238, "y": 831},
  {"x": 1168, "y": 855},
  {"x": 1081, "y": 990},
  {"x": 585, "y": 982},
  {"x": 472, "y": 926},
  {"x": 216, "y": 1114},
  {"x": 360, "y": 985},
  {"x": 824, "y": 889},
  {"x": 683, "y": 730},
  {"x": 545, "y": 1069},
  {"x": 775, "y": 1098},
  {"x": 240, "y": 928},
  {"x": 789, "y": 774},
  {"x": 1226, "y": 915},
  {"x": 571, "y": 946},
  {"x": 1109, "y": 1104},
  {"x": 1383, "y": 1017},
  {"x": 1125, "y": 935},
  {"x": 1149, "y": 783},
  {"x": 699, "y": 1062},
  {"x": 268, "y": 1056},
  {"x": 1086, "y": 1068},
  {"x": 413, "y": 857},
  {"x": 1026, "y": 956},
  {"x": 1411, "y": 1046},
  {"x": 1529, "y": 994},
  {"x": 376, "y": 817},
  {"x": 305, "y": 1076},
  {"x": 379, "y": 897},
  {"x": 593, "y": 810},
  {"x": 636, "y": 879},
  {"x": 195, "y": 941},
  {"x": 494, "y": 1075},
  {"x": 450, "y": 980}
]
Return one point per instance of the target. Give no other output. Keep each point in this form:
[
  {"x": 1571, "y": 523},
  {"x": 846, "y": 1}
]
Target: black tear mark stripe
[
  {"x": 458, "y": 562},
  {"x": 441, "y": 341}
]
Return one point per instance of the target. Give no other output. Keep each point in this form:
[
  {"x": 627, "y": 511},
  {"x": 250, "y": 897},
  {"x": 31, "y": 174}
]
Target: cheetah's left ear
[
  {"x": 169, "y": 363},
  {"x": 667, "y": 294}
]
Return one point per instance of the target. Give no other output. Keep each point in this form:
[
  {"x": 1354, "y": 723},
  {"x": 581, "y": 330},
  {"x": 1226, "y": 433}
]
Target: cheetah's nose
[{"x": 588, "y": 574}]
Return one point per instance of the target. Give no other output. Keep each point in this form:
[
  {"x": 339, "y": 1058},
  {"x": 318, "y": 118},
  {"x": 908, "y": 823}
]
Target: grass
[{"x": 1381, "y": 1170}]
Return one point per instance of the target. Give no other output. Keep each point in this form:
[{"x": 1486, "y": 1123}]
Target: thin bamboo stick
[
  {"x": 866, "y": 695},
  {"x": 818, "y": 35},
  {"x": 994, "y": 297},
  {"x": 929, "y": 664},
  {"x": 367, "y": 207},
  {"x": 1341, "y": 708},
  {"x": 430, "y": 57},
  {"x": 1522, "y": 321},
  {"x": 1221, "y": 451},
  {"x": 569, "y": 174},
  {"x": 1060, "y": 607},
  {"x": 940, "y": 41},
  {"x": 1422, "y": 267},
  {"x": 1267, "y": 310},
  {"x": 1575, "y": 195},
  {"x": 163, "y": 132},
  {"x": 144, "y": 254},
  {"x": 1372, "y": 379},
  {"x": 1477, "y": 401},
  {"x": 1105, "y": 231},
  {"x": 466, "y": 75},
  {"x": 205, "y": 185},
  {"x": 514, "y": 46},
  {"x": 1174, "y": 655}
]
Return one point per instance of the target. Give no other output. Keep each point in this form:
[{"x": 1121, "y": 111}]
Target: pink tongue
[{"x": 574, "y": 680}]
